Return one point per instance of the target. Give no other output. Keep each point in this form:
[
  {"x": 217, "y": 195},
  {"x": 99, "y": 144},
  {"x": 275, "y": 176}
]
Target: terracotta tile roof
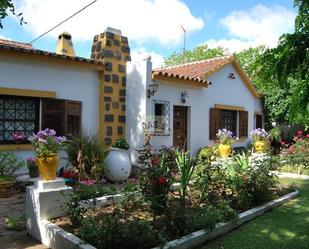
[
  {"x": 27, "y": 48},
  {"x": 194, "y": 71}
]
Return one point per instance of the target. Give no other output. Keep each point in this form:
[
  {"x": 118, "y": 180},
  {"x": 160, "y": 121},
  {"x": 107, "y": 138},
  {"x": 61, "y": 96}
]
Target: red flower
[
  {"x": 300, "y": 132},
  {"x": 155, "y": 161},
  {"x": 162, "y": 180},
  {"x": 282, "y": 142}
]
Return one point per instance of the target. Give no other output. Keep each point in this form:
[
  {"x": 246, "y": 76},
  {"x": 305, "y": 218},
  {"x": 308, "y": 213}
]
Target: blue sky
[{"x": 154, "y": 26}]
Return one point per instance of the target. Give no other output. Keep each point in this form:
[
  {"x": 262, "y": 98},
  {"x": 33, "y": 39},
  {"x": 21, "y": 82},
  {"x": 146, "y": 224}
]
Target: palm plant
[{"x": 186, "y": 166}]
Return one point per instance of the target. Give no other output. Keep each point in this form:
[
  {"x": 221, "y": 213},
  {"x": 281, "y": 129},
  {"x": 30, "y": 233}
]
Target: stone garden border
[
  {"x": 60, "y": 238},
  {"x": 290, "y": 175}
]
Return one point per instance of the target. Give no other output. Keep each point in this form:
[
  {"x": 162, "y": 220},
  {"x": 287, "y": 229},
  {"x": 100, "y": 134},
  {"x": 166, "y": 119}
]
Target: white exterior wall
[
  {"x": 73, "y": 83},
  {"x": 222, "y": 91}
]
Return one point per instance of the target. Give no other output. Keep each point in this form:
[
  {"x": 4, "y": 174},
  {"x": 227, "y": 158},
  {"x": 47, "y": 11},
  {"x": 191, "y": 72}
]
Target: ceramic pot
[
  {"x": 33, "y": 172},
  {"x": 6, "y": 189},
  {"x": 48, "y": 167},
  {"x": 117, "y": 166},
  {"x": 225, "y": 150},
  {"x": 260, "y": 146}
]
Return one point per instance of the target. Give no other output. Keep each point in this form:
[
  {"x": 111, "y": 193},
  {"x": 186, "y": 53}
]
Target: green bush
[
  {"x": 121, "y": 144},
  {"x": 9, "y": 164},
  {"x": 86, "y": 192},
  {"x": 86, "y": 154},
  {"x": 111, "y": 233}
]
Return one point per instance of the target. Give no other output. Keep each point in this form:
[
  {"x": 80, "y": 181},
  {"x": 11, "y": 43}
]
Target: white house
[
  {"x": 185, "y": 105},
  {"x": 181, "y": 106}
]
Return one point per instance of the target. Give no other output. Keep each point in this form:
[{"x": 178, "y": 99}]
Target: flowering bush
[
  {"x": 225, "y": 136},
  {"x": 45, "y": 143},
  {"x": 296, "y": 154},
  {"x": 19, "y": 137},
  {"x": 259, "y": 135},
  {"x": 156, "y": 181}
]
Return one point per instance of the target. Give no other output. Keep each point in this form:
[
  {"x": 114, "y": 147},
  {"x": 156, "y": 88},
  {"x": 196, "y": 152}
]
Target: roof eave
[{"x": 37, "y": 55}]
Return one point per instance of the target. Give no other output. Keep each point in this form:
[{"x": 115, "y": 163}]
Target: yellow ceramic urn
[
  {"x": 48, "y": 166},
  {"x": 260, "y": 146},
  {"x": 225, "y": 150}
]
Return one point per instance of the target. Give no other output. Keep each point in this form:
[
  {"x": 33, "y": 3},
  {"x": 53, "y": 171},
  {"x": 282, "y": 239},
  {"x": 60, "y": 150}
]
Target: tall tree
[
  {"x": 6, "y": 7},
  {"x": 287, "y": 66},
  {"x": 196, "y": 54}
]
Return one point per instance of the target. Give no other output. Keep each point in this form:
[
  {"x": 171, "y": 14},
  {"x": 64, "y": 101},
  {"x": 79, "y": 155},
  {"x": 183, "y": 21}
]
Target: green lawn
[{"x": 286, "y": 227}]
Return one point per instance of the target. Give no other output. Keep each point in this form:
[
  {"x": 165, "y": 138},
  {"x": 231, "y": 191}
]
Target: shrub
[
  {"x": 86, "y": 192},
  {"x": 121, "y": 144},
  {"x": 86, "y": 155},
  {"x": 155, "y": 184},
  {"x": 110, "y": 232},
  {"x": 186, "y": 167},
  {"x": 9, "y": 164}
]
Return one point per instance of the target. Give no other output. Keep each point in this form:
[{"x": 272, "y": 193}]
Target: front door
[{"x": 180, "y": 127}]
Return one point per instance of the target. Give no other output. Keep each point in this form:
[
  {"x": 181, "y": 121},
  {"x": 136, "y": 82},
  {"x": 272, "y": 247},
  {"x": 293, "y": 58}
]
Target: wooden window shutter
[
  {"x": 214, "y": 122},
  {"x": 243, "y": 124},
  {"x": 73, "y": 117},
  {"x": 53, "y": 115}
]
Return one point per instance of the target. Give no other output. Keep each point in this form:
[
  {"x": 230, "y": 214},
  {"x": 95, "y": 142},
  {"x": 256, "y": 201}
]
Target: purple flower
[{"x": 30, "y": 159}]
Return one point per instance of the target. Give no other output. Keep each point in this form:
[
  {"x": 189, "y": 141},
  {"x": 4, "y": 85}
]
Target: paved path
[{"x": 15, "y": 207}]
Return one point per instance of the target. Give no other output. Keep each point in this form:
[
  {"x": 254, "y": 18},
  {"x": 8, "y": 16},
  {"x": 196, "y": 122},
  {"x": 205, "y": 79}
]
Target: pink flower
[
  {"x": 87, "y": 182},
  {"x": 30, "y": 159},
  {"x": 307, "y": 136},
  {"x": 300, "y": 132},
  {"x": 295, "y": 139},
  {"x": 282, "y": 143}
]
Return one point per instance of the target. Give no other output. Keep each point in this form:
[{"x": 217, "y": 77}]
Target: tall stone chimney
[
  {"x": 65, "y": 45},
  {"x": 112, "y": 48}
]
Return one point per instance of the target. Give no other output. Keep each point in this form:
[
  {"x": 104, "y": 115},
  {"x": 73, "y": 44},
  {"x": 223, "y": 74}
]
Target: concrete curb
[
  {"x": 200, "y": 237},
  {"x": 58, "y": 238},
  {"x": 290, "y": 175}
]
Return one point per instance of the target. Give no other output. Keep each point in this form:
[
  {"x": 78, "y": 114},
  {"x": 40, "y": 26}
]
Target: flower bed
[{"x": 155, "y": 212}]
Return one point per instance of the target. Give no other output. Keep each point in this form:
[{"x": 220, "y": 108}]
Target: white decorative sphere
[{"x": 117, "y": 166}]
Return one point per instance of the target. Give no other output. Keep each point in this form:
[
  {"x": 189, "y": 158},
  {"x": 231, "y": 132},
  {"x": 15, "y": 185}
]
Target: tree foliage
[
  {"x": 196, "y": 54},
  {"x": 287, "y": 67},
  {"x": 6, "y": 7}
]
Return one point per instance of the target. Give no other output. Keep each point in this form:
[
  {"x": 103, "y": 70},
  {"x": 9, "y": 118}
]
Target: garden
[{"x": 169, "y": 195}]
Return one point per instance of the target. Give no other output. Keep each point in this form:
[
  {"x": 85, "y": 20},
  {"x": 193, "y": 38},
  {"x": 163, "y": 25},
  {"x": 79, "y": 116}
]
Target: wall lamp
[
  {"x": 232, "y": 76},
  {"x": 184, "y": 96},
  {"x": 152, "y": 89}
]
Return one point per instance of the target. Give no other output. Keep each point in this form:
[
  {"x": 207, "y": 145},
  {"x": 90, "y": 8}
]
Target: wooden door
[{"x": 180, "y": 127}]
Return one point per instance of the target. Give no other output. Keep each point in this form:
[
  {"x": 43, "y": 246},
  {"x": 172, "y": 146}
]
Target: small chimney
[{"x": 65, "y": 45}]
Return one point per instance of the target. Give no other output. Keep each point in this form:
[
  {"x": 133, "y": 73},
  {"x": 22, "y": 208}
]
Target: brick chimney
[
  {"x": 65, "y": 45},
  {"x": 112, "y": 48}
]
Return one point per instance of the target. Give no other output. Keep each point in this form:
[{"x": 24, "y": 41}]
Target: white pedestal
[{"x": 44, "y": 201}]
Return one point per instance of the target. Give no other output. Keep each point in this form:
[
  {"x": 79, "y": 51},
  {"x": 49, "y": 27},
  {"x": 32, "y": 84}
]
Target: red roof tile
[
  {"x": 196, "y": 71},
  {"x": 27, "y": 48}
]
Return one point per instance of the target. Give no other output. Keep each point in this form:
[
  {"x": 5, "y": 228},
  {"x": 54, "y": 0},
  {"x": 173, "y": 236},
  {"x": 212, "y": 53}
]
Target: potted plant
[
  {"x": 46, "y": 146},
  {"x": 117, "y": 166},
  {"x": 259, "y": 137},
  {"x": 9, "y": 164},
  {"x": 33, "y": 170},
  {"x": 225, "y": 137}
]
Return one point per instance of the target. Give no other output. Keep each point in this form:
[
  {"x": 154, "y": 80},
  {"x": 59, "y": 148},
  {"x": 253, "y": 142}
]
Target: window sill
[{"x": 6, "y": 147}]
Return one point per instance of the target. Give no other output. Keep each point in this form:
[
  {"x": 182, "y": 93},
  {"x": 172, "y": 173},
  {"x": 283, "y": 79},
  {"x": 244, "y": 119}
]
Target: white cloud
[
  {"x": 142, "y": 53},
  {"x": 256, "y": 26},
  {"x": 140, "y": 20},
  {"x": 5, "y": 38}
]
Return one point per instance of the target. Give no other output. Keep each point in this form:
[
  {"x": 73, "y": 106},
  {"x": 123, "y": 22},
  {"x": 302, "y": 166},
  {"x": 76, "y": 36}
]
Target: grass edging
[{"x": 200, "y": 237}]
